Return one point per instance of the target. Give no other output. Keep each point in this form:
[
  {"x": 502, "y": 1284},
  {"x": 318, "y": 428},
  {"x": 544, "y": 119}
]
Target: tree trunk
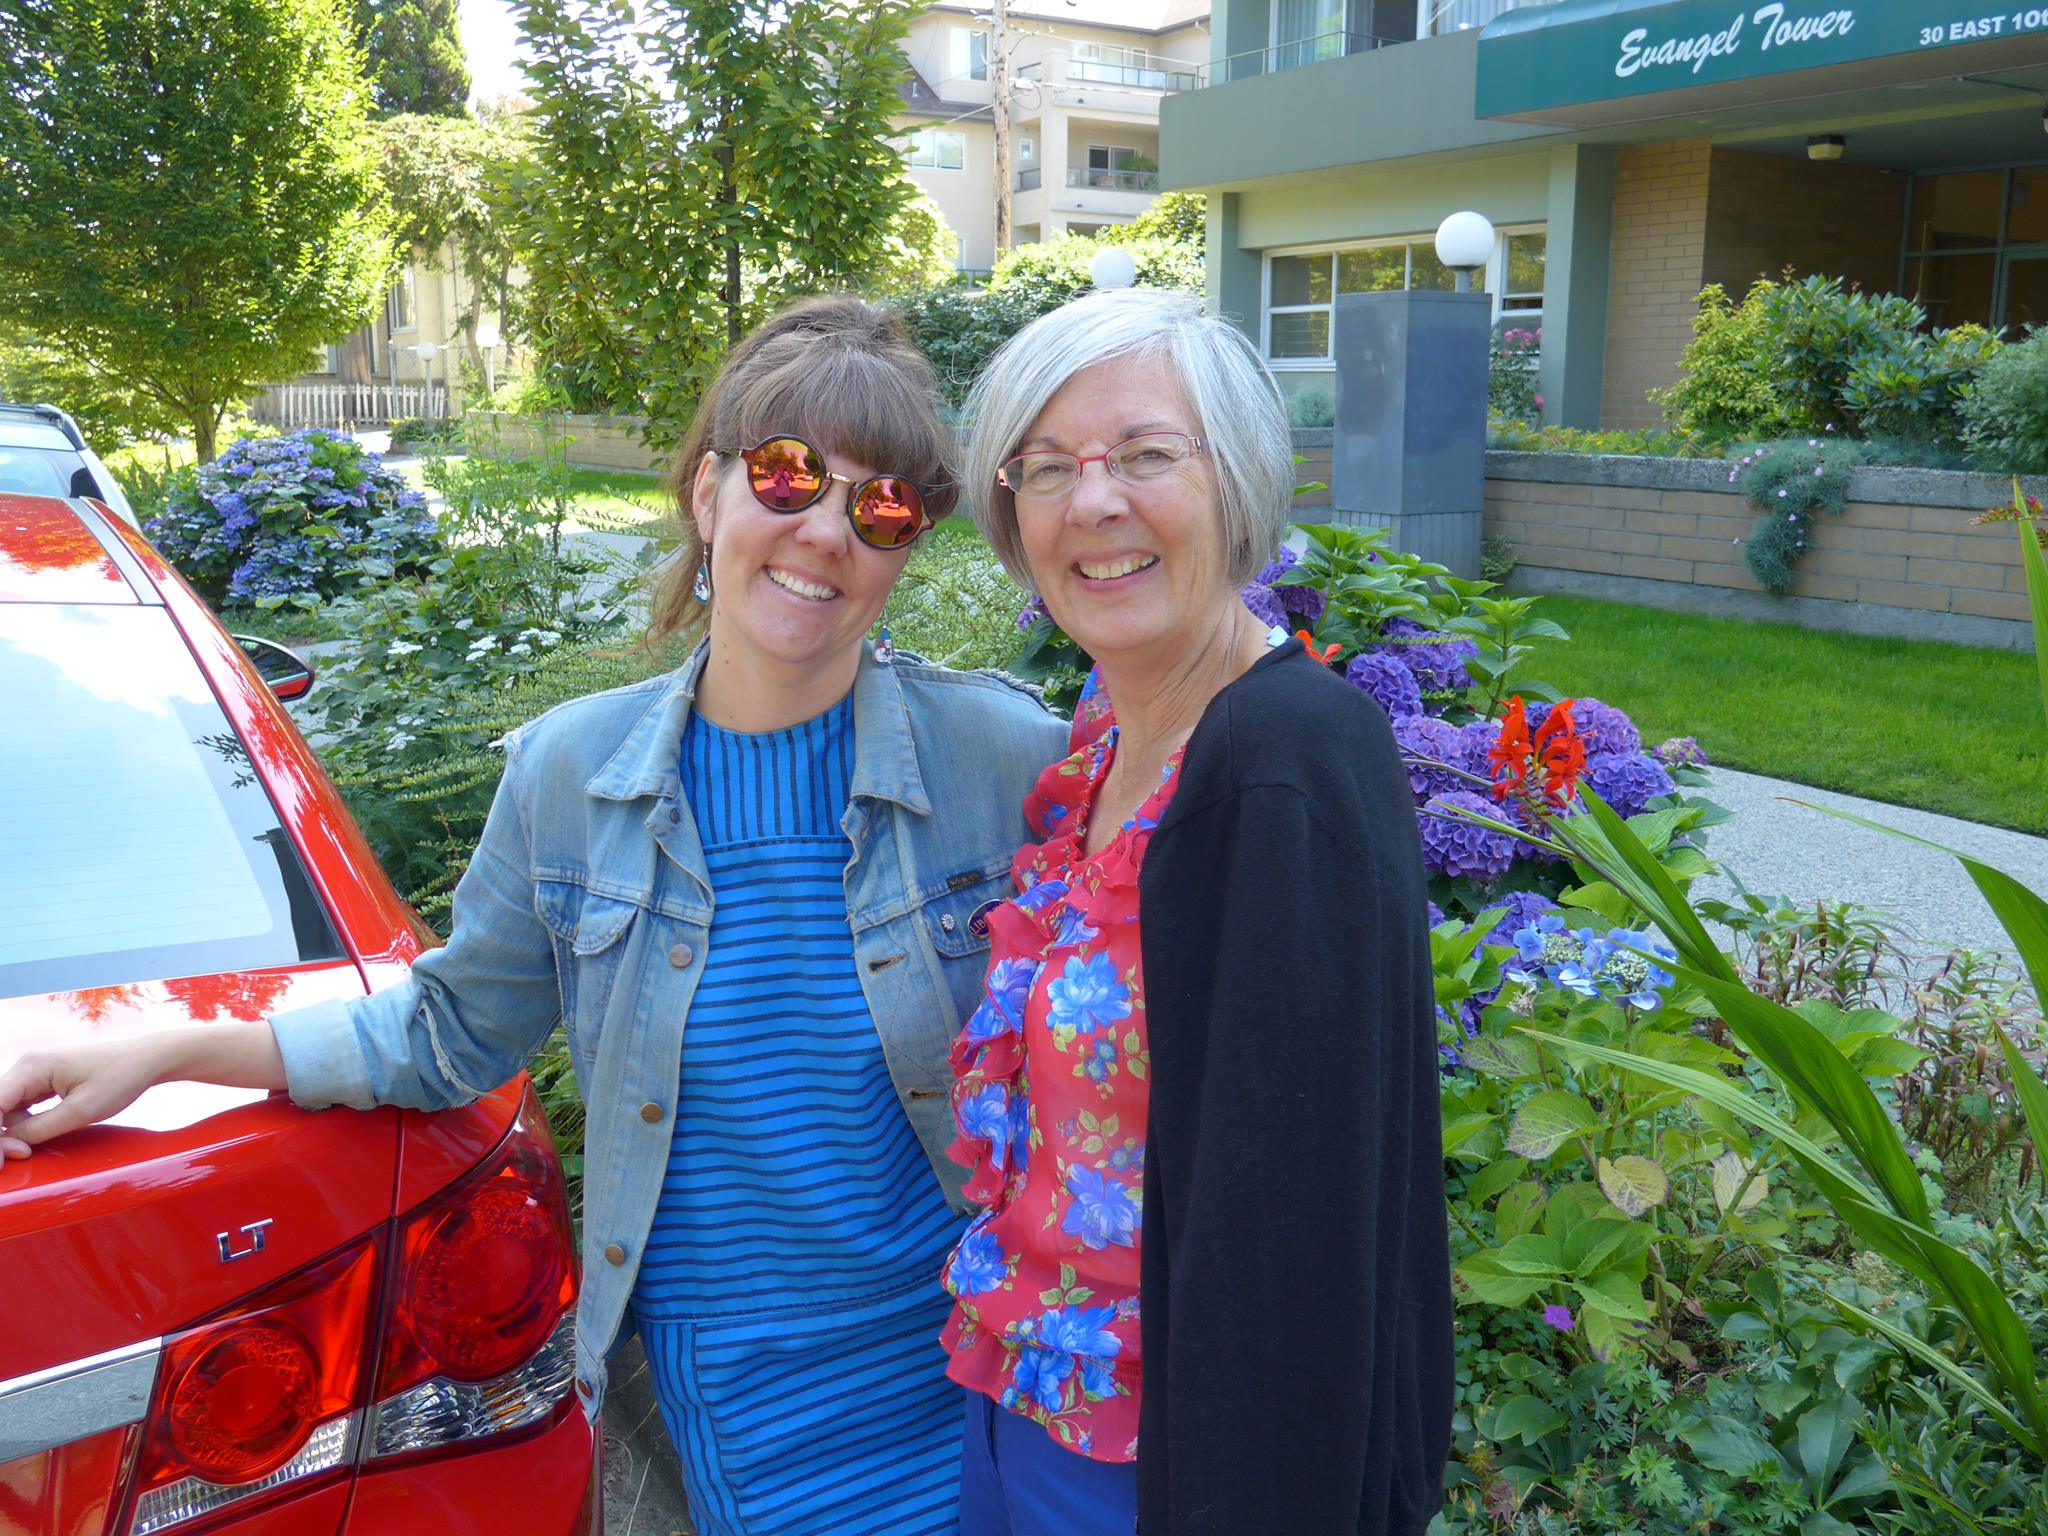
[{"x": 205, "y": 426}]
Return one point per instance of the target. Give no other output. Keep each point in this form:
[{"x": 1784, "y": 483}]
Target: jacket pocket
[{"x": 587, "y": 929}]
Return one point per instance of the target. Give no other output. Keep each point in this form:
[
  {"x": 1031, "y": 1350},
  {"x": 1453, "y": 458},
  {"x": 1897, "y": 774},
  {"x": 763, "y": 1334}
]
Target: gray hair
[{"x": 1235, "y": 403}]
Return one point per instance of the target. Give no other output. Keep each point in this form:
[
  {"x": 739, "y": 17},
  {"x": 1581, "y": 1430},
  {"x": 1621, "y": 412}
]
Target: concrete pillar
[
  {"x": 1233, "y": 276},
  {"x": 1409, "y": 451},
  {"x": 1238, "y": 26},
  {"x": 1581, "y": 228}
]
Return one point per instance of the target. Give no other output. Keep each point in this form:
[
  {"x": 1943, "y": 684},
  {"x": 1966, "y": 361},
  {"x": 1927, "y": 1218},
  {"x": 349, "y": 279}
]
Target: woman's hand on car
[
  {"x": 90, "y": 1081},
  {"x": 96, "y": 1079}
]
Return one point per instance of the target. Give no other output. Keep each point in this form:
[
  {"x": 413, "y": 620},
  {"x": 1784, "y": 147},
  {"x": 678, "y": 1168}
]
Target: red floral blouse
[{"x": 1049, "y": 1100}]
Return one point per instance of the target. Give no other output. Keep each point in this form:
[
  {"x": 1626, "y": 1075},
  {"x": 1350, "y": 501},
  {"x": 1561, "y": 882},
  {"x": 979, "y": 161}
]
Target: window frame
[
  {"x": 932, "y": 137},
  {"x": 402, "y": 316},
  {"x": 962, "y": 46},
  {"x": 1493, "y": 277}
]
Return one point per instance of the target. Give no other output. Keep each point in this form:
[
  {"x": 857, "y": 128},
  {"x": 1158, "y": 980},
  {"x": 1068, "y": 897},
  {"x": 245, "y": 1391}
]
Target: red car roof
[{"x": 49, "y": 553}]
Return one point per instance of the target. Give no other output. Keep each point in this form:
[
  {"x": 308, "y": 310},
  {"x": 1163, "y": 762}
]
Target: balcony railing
[
  {"x": 1147, "y": 77},
  {"x": 1299, "y": 53},
  {"x": 1444, "y": 16},
  {"x": 1028, "y": 179},
  {"x": 1114, "y": 181}
]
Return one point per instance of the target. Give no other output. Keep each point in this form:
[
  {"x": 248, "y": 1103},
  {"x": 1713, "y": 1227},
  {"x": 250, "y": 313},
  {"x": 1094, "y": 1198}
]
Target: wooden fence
[{"x": 348, "y": 405}]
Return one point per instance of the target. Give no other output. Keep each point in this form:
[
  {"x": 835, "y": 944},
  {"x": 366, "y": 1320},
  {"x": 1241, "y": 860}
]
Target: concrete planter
[{"x": 1903, "y": 559}]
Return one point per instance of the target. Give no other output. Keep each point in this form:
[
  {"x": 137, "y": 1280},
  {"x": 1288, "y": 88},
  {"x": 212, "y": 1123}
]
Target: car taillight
[
  {"x": 480, "y": 1336},
  {"x": 479, "y": 1340},
  {"x": 265, "y": 1397}
]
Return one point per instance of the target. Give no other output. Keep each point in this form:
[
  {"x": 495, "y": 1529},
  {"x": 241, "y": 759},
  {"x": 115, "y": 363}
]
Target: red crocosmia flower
[
  {"x": 1326, "y": 655},
  {"x": 1553, "y": 757},
  {"x": 1561, "y": 753},
  {"x": 1509, "y": 757}
]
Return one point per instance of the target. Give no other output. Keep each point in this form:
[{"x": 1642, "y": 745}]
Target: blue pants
[{"x": 1016, "y": 1480}]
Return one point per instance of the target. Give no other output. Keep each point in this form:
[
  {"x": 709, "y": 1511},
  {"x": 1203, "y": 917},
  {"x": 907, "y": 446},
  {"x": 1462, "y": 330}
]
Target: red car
[{"x": 221, "y": 1313}]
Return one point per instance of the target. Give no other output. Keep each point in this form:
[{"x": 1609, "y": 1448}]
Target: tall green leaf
[{"x": 2035, "y": 564}]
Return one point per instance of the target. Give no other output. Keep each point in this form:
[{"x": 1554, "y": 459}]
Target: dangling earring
[
  {"x": 701, "y": 587},
  {"x": 885, "y": 648}
]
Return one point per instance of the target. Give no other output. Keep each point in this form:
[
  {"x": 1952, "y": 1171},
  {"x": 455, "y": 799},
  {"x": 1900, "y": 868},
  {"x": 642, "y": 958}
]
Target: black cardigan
[{"x": 1296, "y": 1323}]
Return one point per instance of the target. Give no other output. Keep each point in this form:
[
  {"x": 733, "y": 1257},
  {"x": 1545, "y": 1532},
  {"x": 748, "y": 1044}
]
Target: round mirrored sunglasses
[{"x": 786, "y": 474}]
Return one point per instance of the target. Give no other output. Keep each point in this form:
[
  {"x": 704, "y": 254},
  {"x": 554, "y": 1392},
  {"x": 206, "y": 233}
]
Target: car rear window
[
  {"x": 38, "y": 472},
  {"x": 136, "y": 841}
]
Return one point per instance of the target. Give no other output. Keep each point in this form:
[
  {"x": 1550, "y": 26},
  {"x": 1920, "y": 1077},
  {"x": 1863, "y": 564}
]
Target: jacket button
[
  {"x": 614, "y": 1254},
  {"x": 583, "y": 1389},
  {"x": 681, "y": 956},
  {"x": 650, "y": 1113}
]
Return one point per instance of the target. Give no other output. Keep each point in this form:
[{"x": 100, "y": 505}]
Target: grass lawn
[{"x": 1947, "y": 728}]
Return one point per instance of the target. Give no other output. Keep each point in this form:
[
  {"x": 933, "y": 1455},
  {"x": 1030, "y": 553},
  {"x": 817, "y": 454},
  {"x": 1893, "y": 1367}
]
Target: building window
[
  {"x": 1974, "y": 247},
  {"x": 1027, "y": 151},
  {"x": 969, "y": 59},
  {"x": 401, "y": 305},
  {"x": 1300, "y": 287},
  {"x": 938, "y": 150},
  {"x": 1309, "y": 31}
]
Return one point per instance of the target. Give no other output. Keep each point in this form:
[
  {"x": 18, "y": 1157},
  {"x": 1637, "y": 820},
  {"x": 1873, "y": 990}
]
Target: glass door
[{"x": 2023, "y": 281}]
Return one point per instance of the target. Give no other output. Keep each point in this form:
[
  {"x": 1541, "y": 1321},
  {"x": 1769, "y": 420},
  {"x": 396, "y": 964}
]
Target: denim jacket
[{"x": 589, "y": 903}]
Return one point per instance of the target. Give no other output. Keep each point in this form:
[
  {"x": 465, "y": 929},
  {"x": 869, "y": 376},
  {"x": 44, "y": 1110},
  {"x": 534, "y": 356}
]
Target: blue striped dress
[{"x": 788, "y": 1298}]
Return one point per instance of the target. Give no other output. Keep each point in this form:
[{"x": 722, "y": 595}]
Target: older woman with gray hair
[{"x": 1208, "y": 1289}]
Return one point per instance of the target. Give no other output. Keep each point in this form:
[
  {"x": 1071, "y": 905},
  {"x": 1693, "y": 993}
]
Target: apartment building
[
  {"x": 1629, "y": 152},
  {"x": 1087, "y": 79}
]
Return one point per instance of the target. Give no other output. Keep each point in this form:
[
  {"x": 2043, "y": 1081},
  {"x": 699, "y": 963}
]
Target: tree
[
  {"x": 695, "y": 164},
  {"x": 920, "y": 251},
  {"x": 188, "y": 198},
  {"x": 452, "y": 184},
  {"x": 416, "y": 59},
  {"x": 1179, "y": 216}
]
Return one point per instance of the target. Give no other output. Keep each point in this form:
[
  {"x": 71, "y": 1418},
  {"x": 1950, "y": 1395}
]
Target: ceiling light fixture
[{"x": 1825, "y": 146}]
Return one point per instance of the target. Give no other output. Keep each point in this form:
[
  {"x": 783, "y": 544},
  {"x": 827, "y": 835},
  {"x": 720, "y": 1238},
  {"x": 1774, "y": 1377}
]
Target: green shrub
[
  {"x": 1511, "y": 375},
  {"x": 1810, "y": 356},
  {"x": 2005, "y": 415},
  {"x": 1054, "y": 271},
  {"x": 1522, "y": 437},
  {"x": 1315, "y": 406},
  {"x": 1724, "y": 389},
  {"x": 959, "y": 329}
]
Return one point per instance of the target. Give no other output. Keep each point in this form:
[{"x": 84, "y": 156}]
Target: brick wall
[
  {"x": 1768, "y": 212},
  {"x": 1902, "y": 559},
  {"x": 1659, "y": 245}
]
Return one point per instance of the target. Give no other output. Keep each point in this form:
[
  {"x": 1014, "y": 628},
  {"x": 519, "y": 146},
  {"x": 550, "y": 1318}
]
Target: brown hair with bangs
[{"x": 840, "y": 373}]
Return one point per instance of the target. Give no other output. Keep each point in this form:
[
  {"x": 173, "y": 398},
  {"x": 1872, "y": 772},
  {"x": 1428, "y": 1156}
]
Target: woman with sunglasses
[
  {"x": 1209, "y": 1289},
  {"x": 752, "y": 891}
]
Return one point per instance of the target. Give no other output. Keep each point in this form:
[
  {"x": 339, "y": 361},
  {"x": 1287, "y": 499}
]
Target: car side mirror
[{"x": 288, "y": 676}]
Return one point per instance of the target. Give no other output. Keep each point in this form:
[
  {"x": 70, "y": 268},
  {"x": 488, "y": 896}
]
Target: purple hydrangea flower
[
  {"x": 1031, "y": 613},
  {"x": 1437, "y": 661},
  {"x": 1602, "y": 727},
  {"x": 1519, "y": 909},
  {"x": 1264, "y": 603},
  {"x": 1436, "y": 915},
  {"x": 1680, "y": 752},
  {"x": 1627, "y": 781},
  {"x": 1392, "y": 684},
  {"x": 1458, "y": 848},
  {"x": 1424, "y": 736}
]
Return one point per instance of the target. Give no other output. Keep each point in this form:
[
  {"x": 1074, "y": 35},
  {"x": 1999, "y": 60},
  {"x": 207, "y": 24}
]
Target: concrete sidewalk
[{"x": 1778, "y": 848}]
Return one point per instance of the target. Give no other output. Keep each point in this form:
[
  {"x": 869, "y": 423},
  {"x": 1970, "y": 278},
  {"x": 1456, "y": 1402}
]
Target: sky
[{"x": 490, "y": 37}]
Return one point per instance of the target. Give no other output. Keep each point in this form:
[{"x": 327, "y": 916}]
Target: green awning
[{"x": 1585, "y": 62}]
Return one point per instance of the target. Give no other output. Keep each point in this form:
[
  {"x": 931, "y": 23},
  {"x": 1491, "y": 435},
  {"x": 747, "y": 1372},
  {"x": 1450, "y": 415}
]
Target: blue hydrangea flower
[
  {"x": 1519, "y": 910},
  {"x": 1631, "y": 978},
  {"x": 1392, "y": 684},
  {"x": 1458, "y": 848},
  {"x": 977, "y": 1265},
  {"x": 1103, "y": 1214},
  {"x": 1087, "y": 996},
  {"x": 1627, "y": 781}
]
